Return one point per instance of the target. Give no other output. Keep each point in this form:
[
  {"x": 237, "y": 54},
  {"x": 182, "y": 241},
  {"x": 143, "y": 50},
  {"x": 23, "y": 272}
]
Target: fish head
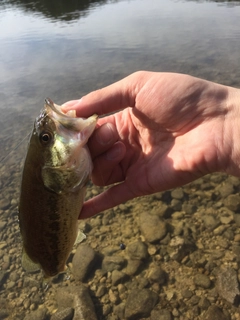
[{"x": 61, "y": 141}]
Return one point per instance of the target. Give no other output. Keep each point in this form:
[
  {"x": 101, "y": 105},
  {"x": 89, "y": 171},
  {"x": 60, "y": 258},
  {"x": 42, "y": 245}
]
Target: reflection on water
[
  {"x": 62, "y": 10},
  {"x": 64, "y": 49}
]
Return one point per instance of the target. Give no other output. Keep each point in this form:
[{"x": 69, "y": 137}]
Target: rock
[
  {"x": 189, "y": 208},
  {"x": 2, "y": 225},
  {"x": 65, "y": 314},
  {"x": 111, "y": 263},
  {"x": 187, "y": 294},
  {"x": 140, "y": 303},
  {"x": 133, "y": 266},
  {"x": 161, "y": 314},
  {"x": 119, "y": 310},
  {"x": 39, "y": 314},
  {"x": 204, "y": 303},
  {"x": 101, "y": 291},
  {"x": 4, "y": 204},
  {"x": 158, "y": 275},
  {"x": 202, "y": 281},
  {"x": 227, "y": 284},
  {"x": 237, "y": 219},
  {"x": 137, "y": 250},
  {"x": 227, "y": 217},
  {"x": 162, "y": 210},
  {"x": 179, "y": 247},
  {"x": 210, "y": 221},
  {"x": 176, "y": 205},
  {"x": 226, "y": 189},
  {"x": 194, "y": 300},
  {"x": 78, "y": 298},
  {"x": 83, "y": 262},
  {"x": 214, "y": 313},
  {"x": 177, "y": 193},
  {"x": 232, "y": 202},
  {"x": 3, "y": 245},
  {"x": 118, "y": 277},
  {"x": 152, "y": 227}
]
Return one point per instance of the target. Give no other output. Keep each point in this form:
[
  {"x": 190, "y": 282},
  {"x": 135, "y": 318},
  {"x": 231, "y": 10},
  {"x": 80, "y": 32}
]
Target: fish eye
[{"x": 45, "y": 137}]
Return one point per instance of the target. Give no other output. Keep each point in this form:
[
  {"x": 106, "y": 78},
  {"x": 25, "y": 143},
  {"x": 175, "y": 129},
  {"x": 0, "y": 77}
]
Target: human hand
[{"x": 170, "y": 130}]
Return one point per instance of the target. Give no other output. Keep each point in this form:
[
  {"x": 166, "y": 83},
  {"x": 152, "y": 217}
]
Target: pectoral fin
[
  {"x": 59, "y": 179},
  {"x": 80, "y": 237}
]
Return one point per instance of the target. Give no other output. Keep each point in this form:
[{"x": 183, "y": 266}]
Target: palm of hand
[{"x": 165, "y": 136}]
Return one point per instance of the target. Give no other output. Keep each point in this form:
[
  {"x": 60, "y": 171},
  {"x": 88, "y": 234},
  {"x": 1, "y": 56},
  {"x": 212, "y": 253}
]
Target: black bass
[{"x": 56, "y": 170}]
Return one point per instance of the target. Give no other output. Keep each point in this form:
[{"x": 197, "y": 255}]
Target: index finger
[{"x": 112, "y": 98}]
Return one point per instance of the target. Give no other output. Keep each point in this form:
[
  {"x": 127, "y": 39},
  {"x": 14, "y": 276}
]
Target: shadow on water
[{"x": 58, "y": 10}]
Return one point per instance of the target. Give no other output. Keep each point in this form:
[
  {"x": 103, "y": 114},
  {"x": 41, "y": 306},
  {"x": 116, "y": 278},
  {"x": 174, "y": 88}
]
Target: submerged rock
[
  {"x": 83, "y": 262},
  {"x": 227, "y": 284},
  {"x": 152, "y": 227},
  {"x": 214, "y": 313},
  {"x": 140, "y": 303},
  {"x": 78, "y": 298}
]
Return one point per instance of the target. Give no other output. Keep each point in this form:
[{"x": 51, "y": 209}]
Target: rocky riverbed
[{"x": 171, "y": 256}]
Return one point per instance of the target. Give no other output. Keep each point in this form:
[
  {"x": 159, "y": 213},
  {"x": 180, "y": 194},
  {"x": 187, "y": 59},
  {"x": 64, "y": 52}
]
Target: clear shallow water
[{"x": 66, "y": 50}]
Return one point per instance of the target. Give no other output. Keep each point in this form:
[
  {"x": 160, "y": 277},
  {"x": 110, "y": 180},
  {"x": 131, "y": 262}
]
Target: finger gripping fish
[{"x": 56, "y": 170}]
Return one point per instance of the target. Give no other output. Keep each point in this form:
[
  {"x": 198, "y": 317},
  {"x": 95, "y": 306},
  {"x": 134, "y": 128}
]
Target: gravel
[{"x": 179, "y": 260}]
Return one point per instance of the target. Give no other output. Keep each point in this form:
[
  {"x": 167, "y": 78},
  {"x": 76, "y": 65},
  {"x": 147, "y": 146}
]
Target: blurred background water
[{"x": 65, "y": 49}]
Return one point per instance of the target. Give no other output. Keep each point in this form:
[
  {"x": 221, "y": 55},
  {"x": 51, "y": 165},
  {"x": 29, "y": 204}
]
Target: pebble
[
  {"x": 140, "y": 303},
  {"x": 119, "y": 310},
  {"x": 39, "y": 314},
  {"x": 158, "y": 275},
  {"x": 152, "y": 227},
  {"x": 232, "y": 202},
  {"x": 4, "y": 204},
  {"x": 111, "y": 263},
  {"x": 226, "y": 189},
  {"x": 101, "y": 291},
  {"x": 202, "y": 281},
  {"x": 211, "y": 222},
  {"x": 161, "y": 314},
  {"x": 177, "y": 193},
  {"x": 137, "y": 250},
  {"x": 83, "y": 262},
  {"x": 118, "y": 277},
  {"x": 133, "y": 266},
  {"x": 2, "y": 225},
  {"x": 215, "y": 313}
]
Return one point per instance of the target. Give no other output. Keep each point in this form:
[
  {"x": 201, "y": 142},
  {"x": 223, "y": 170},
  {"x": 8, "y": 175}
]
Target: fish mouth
[{"x": 49, "y": 103}]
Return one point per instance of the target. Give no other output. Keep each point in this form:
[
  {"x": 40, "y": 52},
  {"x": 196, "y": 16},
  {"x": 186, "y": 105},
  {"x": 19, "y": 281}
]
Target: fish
[{"x": 57, "y": 168}]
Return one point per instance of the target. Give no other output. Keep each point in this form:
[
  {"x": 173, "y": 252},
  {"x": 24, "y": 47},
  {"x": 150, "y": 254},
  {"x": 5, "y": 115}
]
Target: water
[{"x": 65, "y": 50}]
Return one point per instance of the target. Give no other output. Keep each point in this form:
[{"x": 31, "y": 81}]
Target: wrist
[{"x": 231, "y": 134}]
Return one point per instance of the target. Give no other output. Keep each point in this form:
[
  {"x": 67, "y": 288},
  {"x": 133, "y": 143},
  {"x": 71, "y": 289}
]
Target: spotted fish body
[{"x": 56, "y": 170}]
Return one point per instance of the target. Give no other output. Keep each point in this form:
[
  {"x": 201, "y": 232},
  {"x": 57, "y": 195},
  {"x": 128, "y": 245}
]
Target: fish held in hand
[{"x": 56, "y": 170}]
